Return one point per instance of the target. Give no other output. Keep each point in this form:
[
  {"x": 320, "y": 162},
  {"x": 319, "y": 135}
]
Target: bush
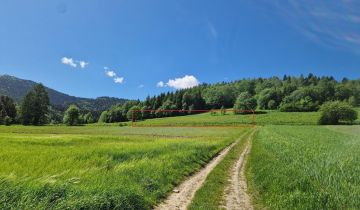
[
  {"x": 272, "y": 105},
  {"x": 335, "y": 111},
  {"x": 244, "y": 102},
  {"x": 88, "y": 118},
  {"x": 7, "y": 120},
  {"x": 104, "y": 117},
  {"x": 137, "y": 113},
  {"x": 72, "y": 115},
  {"x": 352, "y": 101}
]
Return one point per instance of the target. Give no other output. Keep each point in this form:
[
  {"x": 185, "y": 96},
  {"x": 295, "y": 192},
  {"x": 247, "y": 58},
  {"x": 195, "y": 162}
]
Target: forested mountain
[
  {"x": 17, "y": 88},
  {"x": 288, "y": 94}
]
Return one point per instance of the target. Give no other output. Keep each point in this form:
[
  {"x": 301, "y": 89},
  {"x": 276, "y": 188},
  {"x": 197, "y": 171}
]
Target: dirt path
[
  {"x": 184, "y": 193},
  {"x": 236, "y": 194}
]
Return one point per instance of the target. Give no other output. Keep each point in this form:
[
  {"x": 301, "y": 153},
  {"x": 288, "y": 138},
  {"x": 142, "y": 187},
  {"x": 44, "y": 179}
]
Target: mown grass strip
[{"x": 210, "y": 195}]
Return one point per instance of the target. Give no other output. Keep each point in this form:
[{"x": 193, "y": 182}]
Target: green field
[
  {"x": 294, "y": 164},
  {"x": 261, "y": 118},
  {"x": 306, "y": 167},
  {"x": 100, "y": 166}
]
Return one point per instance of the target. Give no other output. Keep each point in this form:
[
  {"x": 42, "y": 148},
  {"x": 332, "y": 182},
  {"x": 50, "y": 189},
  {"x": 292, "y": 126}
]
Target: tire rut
[
  {"x": 182, "y": 195},
  {"x": 236, "y": 194}
]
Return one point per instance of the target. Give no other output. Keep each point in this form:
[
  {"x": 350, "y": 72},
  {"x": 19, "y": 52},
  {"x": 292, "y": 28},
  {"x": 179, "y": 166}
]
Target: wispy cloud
[
  {"x": 160, "y": 84},
  {"x": 141, "y": 86},
  {"x": 68, "y": 61},
  {"x": 83, "y": 64},
  {"x": 119, "y": 80},
  {"x": 212, "y": 29},
  {"x": 332, "y": 24},
  {"x": 187, "y": 81},
  {"x": 112, "y": 74}
]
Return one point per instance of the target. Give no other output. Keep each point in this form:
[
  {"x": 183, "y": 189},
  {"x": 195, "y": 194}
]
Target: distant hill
[{"x": 17, "y": 88}]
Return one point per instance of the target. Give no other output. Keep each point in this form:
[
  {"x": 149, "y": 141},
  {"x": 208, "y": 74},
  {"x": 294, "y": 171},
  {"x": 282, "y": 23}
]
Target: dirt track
[
  {"x": 236, "y": 194},
  {"x": 184, "y": 193}
]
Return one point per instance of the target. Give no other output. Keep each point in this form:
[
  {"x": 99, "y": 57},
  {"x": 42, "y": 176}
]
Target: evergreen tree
[
  {"x": 27, "y": 108},
  {"x": 9, "y": 106},
  {"x": 41, "y": 105},
  {"x": 35, "y": 106}
]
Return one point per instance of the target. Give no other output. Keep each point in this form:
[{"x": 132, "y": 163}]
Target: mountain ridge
[{"x": 17, "y": 88}]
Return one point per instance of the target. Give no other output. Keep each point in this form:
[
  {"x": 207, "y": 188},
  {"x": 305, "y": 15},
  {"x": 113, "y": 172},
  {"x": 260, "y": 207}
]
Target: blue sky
[{"x": 135, "y": 48}]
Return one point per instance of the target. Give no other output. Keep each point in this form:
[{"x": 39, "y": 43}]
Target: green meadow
[
  {"x": 230, "y": 119},
  {"x": 306, "y": 167},
  {"x": 294, "y": 164},
  {"x": 100, "y": 167}
]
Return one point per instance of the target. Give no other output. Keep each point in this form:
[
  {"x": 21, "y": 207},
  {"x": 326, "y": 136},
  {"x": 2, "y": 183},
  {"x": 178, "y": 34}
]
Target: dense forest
[{"x": 287, "y": 94}]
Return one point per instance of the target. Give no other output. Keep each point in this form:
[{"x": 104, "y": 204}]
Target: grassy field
[
  {"x": 294, "y": 164},
  {"x": 263, "y": 118},
  {"x": 306, "y": 167},
  {"x": 100, "y": 166},
  {"x": 260, "y": 118}
]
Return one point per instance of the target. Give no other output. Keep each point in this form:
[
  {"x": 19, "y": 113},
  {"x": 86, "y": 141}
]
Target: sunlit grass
[
  {"x": 305, "y": 167},
  {"x": 229, "y": 119},
  {"x": 99, "y": 167}
]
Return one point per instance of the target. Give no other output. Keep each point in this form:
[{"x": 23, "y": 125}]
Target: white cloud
[
  {"x": 83, "y": 64},
  {"x": 110, "y": 73},
  {"x": 160, "y": 84},
  {"x": 119, "y": 80},
  {"x": 141, "y": 86},
  {"x": 68, "y": 61},
  {"x": 187, "y": 81}
]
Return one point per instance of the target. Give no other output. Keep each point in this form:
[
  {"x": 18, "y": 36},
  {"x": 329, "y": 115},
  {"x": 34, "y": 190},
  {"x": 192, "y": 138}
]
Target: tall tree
[
  {"x": 9, "y": 106},
  {"x": 72, "y": 115},
  {"x": 35, "y": 106},
  {"x": 42, "y": 103}
]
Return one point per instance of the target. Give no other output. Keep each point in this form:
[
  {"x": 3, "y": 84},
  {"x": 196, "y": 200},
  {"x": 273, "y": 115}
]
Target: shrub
[
  {"x": 7, "y": 120},
  {"x": 137, "y": 113},
  {"x": 244, "y": 102},
  {"x": 272, "y": 105},
  {"x": 72, "y": 115},
  {"x": 88, "y": 118},
  {"x": 352, "y": 101},
  {"x": 104, "y": 117},
  {"x": 335, "y": 111}
]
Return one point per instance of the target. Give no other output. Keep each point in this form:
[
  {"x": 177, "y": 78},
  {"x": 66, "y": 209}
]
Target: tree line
[
  {"x": 287, "y": 94},
  {"x": 35, "y": 109}
]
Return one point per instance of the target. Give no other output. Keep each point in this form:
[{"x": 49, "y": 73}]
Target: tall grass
[
  {"x": 99, "y": 167},
  {"x": 305, "y": 167}
]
